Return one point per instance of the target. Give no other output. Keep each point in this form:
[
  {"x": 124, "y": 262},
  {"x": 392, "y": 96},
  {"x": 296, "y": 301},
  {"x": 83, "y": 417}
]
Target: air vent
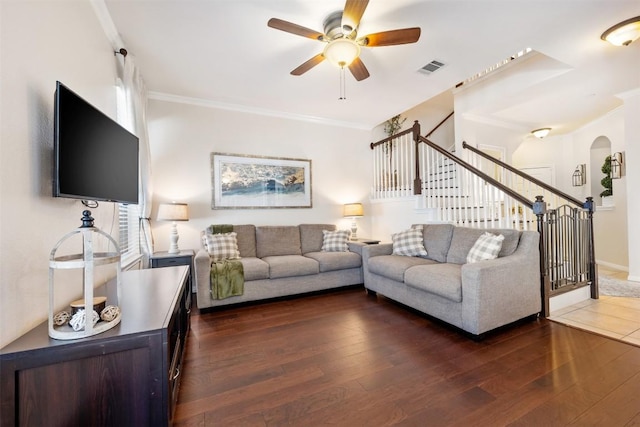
[{"x": 431, "y": 67}]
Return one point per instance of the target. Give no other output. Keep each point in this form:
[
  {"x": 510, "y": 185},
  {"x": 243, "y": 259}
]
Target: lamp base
[
  {"x": 173, "y": 248},
  {"x": 354, "y": 229}
]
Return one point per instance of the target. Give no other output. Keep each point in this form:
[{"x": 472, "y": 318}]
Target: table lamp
[
  {"x": 353, "y": 211},
  {"x": 173, "y": 212}
]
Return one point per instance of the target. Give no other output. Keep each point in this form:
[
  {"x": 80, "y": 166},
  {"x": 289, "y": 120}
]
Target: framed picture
[{"x": 255, "y": 182}]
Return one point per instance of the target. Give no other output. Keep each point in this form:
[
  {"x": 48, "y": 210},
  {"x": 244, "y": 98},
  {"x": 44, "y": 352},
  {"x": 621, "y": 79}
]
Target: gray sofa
[
  {"x": 283, "y": 260},
  {"x": 476, "y": 297}
]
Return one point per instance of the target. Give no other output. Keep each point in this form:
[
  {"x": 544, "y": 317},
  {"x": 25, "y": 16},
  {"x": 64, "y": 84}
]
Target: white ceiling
[{"x": 221, "y": 53}]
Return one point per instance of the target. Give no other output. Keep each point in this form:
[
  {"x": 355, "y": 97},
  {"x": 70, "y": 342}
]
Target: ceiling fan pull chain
[{"x": 343, "y": 85}]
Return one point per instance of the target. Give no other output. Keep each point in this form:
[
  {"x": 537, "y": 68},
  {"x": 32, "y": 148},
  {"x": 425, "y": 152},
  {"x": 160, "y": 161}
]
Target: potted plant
[
  {"x": 607, "y": 183},
  {"x": 391, "y": 127}
]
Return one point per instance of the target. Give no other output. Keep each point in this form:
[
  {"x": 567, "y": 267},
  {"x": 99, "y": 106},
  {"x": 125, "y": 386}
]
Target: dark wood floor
[{"x": 348, "y": 359}]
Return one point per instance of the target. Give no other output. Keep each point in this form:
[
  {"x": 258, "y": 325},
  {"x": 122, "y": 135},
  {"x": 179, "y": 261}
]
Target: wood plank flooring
[{"x": 347, "y": 359}]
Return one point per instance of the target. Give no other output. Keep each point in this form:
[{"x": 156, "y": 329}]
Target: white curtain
[{"x": 135, "y": 93}]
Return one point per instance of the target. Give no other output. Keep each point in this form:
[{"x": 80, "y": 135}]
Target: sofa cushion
[
  {"x": 335, "y": 241},
  {"x": 291, "y": 265},
  {"x": 246, "y": 239},
  {"x": 394, "y": 266},
  {"x": 311, "y": 236},
  {"x": 464, "y": 238},
  {"x": 409, "y": 242},
  {"x": 222, "y": 246},
  {"x": 255, "y": 269},
  {"x": 437, "y": 239},
  {"x": 274, "y": 240},
  {"x": 331, "y": 261},
  {"x": 486, "y": 247},
  {"x": 444, "y": 280}
]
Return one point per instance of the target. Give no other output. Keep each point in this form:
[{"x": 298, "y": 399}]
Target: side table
[
  {"x": 367, "y": 241},
  {"x": 184, "y": 257}
]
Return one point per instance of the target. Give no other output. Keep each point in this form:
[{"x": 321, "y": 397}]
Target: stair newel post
[
  {"x": 593, "y": 267},
  {"x": 417, "y": 182},
  {"x": 540, "y": 209}
]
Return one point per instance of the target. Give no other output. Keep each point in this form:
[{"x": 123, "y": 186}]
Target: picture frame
[{"x": 258, "y": 182}]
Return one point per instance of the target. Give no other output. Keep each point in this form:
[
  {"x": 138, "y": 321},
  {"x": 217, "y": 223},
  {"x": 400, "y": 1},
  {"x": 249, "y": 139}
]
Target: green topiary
[{"x": 606, "y": 182}]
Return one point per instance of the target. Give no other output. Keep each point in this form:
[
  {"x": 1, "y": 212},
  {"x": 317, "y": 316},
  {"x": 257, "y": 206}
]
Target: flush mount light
[
  {"x": 624, "y": 33},
  {"x": 541, "y": 133}
]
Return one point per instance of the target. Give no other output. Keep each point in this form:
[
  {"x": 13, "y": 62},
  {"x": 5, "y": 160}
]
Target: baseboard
[
  {"x": 569, "y": 298},
  {"x": 612, "y": 265}
]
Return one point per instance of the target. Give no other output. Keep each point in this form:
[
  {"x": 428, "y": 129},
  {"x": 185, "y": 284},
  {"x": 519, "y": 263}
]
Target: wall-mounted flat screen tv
[{"x": 95, "y": 158}]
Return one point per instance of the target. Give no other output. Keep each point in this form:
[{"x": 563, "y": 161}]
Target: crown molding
[{"x": 200, "y": 102}]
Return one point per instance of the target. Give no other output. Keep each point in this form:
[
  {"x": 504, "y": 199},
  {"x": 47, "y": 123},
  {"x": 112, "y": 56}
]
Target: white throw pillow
[
  {"x": 486, "y": 247},
  {"x": 335, "y": 241},
  {"x": 223, "y": 246},
  {"x": 409, "y": 243}
]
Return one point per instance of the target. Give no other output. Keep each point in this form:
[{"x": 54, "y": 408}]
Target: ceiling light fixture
[
  {"x": 624, "y": 33},
  {"x": 341, "y": 52},
  {"x": 541, "y": 133}
]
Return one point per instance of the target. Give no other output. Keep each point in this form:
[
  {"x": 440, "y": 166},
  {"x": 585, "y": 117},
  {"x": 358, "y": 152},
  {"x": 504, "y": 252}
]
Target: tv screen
[{"x": 95, "y": 158}]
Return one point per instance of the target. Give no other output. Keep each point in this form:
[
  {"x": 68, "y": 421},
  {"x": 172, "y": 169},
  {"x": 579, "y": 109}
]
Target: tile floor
[{"x": 614, "y": 317}]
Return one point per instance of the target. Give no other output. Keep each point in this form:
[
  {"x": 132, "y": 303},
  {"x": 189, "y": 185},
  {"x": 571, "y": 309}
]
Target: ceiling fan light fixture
[
  {"x": 624, "y": 33},
  {"x": 341, "y": 52},
  {"x": 541, "y": 133}
]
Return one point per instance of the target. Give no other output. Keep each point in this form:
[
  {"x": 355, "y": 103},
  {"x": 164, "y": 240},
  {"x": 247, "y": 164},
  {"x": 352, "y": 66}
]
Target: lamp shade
[
  {"x": 353, "y": 210},
  {"x": 341, "y": 52},
  {"x": 624, "y": 33},
  {"x": 173, "y": 212}
]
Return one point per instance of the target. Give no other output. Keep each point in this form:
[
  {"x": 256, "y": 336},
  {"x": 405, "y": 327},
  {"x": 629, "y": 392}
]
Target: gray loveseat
[
  {"x": 283, "y": 260},
  {"x": 476, "y": 297}
]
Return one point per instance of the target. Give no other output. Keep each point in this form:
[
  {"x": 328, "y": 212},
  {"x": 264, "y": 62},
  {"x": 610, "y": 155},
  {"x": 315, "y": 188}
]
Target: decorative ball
[
  {"x": 109, "y": 313},
  {"x": 79, "y": 319},
  {"x": 61, "y": 318}
]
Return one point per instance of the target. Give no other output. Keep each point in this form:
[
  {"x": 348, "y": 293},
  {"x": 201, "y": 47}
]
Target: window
[
  {"x": 128, "y": 215},
  {"x": 129, "y": 226}
]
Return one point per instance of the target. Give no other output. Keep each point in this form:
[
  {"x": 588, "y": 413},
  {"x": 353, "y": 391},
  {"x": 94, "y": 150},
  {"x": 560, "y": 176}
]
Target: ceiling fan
[{"x": 342, "y": 41}]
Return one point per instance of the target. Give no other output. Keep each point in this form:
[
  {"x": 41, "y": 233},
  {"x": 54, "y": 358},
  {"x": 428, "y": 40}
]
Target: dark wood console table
[{"x": 126, "y": 376}]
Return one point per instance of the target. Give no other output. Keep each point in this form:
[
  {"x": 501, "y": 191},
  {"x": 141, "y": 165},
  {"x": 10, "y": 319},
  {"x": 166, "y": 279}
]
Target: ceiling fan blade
[
  {"x": 353, "y": 11},
  {"x": 358, "y": 69},
  {"x": 308, "y": 65},
  {"x": 292, "y": 28},
  {"x": 393, "y": 37}
]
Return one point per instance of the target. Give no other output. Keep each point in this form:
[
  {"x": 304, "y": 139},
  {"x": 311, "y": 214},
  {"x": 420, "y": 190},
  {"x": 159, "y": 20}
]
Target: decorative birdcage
[{"x": 98, "y": 310}]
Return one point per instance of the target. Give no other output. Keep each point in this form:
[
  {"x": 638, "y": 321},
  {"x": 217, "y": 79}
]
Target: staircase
[{"x": 408, "y": 164}]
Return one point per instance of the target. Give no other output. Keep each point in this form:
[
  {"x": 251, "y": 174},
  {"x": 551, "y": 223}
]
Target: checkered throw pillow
[
  {"x": 335, "y": 241},
  {"x": 486, "y": 247},
  {"x": 409, "y": 243},
  {"x": 222, "y": 246}
]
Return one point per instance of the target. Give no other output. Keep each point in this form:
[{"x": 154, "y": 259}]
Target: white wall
[
  {"x": 567, "y": 151},
  {"x": 632, "y": 158},
  {"x": 610, "y": 225},
  {"x": 41, "y": 42},
  {"x": 182, "y": 136}
]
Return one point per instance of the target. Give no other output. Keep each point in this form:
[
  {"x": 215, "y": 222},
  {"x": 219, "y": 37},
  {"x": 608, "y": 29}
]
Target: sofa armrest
[
  {"x": 356, "y": 247},
  {"x": 502, "y": 290},
  {"x": 369, "y": 251},
  {"x": 202, "y": 267}
]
